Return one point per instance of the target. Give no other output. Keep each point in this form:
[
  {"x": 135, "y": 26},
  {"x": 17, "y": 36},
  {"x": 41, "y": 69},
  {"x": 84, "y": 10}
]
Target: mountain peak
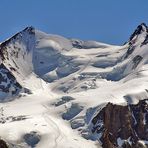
[
  {"x": 29, "y": 29},
  {"x": 140, "y": 29},
  {"x": 143, "y": 24}
]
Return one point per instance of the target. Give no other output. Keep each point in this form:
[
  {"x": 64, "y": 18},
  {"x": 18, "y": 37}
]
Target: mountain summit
[
  {"x": 73, "y": 93},
  {"x": 142, "y": 28}
]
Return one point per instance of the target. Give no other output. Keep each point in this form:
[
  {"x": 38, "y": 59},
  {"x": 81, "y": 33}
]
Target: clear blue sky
[{"x": 110, "y": 21}]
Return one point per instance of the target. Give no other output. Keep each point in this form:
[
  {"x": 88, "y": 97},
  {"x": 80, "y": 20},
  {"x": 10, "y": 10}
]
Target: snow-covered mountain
[{"x": 68, "y": 93}]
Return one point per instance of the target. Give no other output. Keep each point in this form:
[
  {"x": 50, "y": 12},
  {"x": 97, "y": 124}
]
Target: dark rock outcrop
[
  {"x": 8, "y": 83},
  {"x": 3, "y": 144},
  {"x": 134, "y": 38},
  {"x": 129, "y": 51},
  {"x": 142, "y": 27},
  {"x": 136, "y": 60},
  {"x": 18, "y": 36},
  {"x": 129, "y": 123}
]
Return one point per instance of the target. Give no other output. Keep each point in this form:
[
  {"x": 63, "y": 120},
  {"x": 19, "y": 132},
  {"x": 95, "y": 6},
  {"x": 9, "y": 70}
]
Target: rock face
[
  {"x": 11, "y": 55},
  {"x": 3, "y": 144},
  {"x": 140, "y": 32},
  {"x": 141, "y": 28},
  {"x": 8, "y": 84},
  {"x": 122, "y": 126}
]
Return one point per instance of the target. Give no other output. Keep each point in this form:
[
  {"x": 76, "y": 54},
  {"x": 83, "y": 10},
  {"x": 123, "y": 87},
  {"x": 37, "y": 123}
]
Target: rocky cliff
[
  {"x": 3, "y": 144},
  {"x": 122, "y": 126}
]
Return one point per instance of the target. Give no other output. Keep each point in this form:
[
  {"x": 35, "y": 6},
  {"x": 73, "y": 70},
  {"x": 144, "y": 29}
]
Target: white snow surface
[{"x": 52, "y": 68}]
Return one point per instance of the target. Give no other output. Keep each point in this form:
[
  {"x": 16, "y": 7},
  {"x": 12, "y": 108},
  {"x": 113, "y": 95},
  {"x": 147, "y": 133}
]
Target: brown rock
[
  {"x": 129, "y": 123},
  {"x": 3, "y": 144}
]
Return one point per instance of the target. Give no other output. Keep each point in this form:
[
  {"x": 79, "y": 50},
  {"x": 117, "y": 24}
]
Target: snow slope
[{"x": 70, "y": 81}]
